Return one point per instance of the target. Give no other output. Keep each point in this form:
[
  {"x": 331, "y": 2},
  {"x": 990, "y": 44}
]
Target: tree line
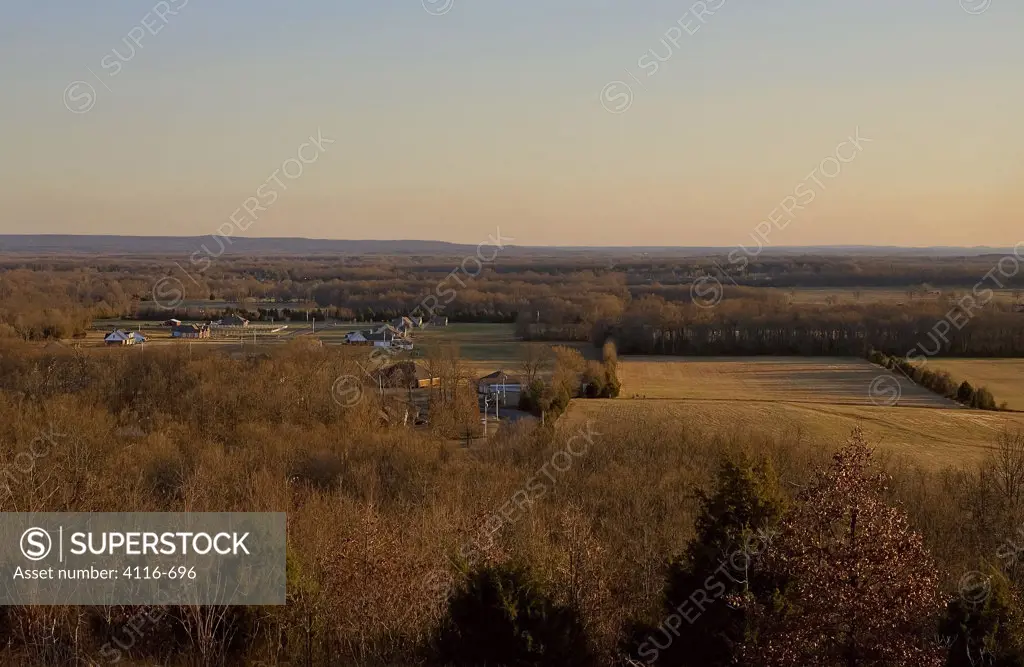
[
  {"x": 561, "y": 296},
  {"x": 940, "y": 382},
  {"x": 771, "y": 325}
]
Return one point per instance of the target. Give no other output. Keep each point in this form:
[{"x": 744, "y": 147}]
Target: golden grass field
[
  {"x": 820, "y": 400},
  {"x": 934, "y": 438},
  {"x": 1003, "y": 377},
  {"x": 773, "y": 379}
]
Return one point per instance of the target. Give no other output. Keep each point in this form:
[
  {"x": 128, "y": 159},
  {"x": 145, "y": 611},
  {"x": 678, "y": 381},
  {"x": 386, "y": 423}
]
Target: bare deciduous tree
[{"x": 862, "y": 589}]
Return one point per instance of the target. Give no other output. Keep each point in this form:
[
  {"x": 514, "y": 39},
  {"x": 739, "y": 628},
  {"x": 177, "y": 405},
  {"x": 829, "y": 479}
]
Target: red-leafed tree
[{"x": 861, "y": 589}]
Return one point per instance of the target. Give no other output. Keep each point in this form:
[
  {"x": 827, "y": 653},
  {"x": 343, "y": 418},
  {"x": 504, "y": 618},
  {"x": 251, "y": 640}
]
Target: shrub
[
  {"x": 320, "y": 471},
  {"x": 944, "y": 384},
  {"x": 984, "y": 400},
  {"x": 594, "y": 378},
  {"x": 965, "y": 394}
]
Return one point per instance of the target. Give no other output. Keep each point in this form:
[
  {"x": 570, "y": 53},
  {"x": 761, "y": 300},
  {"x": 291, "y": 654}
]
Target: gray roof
[{"x": 500, "y": 377}]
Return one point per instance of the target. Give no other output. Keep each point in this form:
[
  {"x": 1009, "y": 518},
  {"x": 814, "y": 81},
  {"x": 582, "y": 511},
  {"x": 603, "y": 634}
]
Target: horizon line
[{"x": 510, "y": 245}]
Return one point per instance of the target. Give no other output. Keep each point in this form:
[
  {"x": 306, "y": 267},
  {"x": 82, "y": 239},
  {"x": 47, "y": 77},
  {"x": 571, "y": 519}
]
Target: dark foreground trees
[{"x": 503, "y": 616}]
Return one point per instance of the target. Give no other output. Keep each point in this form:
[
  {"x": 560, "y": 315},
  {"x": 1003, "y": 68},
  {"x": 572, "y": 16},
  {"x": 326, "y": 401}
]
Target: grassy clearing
[{"x": 488, "y": 347}]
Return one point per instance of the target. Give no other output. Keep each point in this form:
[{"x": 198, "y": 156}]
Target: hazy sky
[{"x": 480, "y": 113}]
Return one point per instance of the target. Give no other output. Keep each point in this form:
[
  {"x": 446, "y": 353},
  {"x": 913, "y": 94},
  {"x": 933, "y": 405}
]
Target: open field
[
  {"x": 1003, "y": 377},
  {"x": 484, "y": 347},
  {"x": 819, "y": 400},
  {"x": 933, "y": 438},
  {"x": 835, "y": 381},
  {"x": 488, "y": 347}
]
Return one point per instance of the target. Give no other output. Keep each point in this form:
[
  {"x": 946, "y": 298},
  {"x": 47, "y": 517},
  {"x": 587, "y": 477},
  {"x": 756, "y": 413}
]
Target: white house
[
  {"x": 385, "y": 336},
  {"x": 118, "y": 337}
]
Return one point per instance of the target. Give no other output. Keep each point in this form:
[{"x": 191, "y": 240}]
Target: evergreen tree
[
  {"x": 503, "y": 617},
  {"x": 699, "y": 628},
  {"x": 984, "y": 629}
]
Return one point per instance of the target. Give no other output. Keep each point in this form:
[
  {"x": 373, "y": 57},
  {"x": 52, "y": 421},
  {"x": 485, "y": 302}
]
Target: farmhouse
[
  {"x": 172, "y": 323},
  {"x": 389, "y": 330},
  {"x": 384, "y": 336},
  {"x": 119, "y": 337},
  {"x": 233, "y": 321},
  {"x": 499, "y": 382},
  {"x": 190, "y": 331},
  {"x": 356, "y": 337},
  {"x": 403, "y": 324}
]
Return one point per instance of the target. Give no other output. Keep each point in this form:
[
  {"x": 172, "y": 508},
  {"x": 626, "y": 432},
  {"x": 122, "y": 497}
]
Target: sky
[{"x": 561, "y": 122}]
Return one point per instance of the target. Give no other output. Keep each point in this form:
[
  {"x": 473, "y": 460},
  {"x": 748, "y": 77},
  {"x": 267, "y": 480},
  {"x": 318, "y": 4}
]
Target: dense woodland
[
  {"x": 602, "y": 562},
  {"x": 645, "y": 304}
]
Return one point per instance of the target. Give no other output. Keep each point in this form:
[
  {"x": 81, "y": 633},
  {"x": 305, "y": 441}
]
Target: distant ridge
[
  {"x": 63, "y": 244},
  {"x": 72, "y": 244}
]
